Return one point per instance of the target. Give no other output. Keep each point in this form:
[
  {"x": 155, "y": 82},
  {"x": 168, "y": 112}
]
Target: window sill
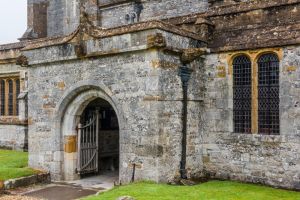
[
  {"x": 12, "y": 120},
  {"x": 257, "y": 134}
]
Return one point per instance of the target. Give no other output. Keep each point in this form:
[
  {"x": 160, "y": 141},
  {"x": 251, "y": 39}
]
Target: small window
[
  {"x": 9, "y": 91},
  {"x": 268, "y": 95},
  {"x": 242, "y": 94}
]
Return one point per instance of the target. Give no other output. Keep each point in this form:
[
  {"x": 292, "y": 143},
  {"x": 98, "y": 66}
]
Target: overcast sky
[{"x": 13, "y": 20}]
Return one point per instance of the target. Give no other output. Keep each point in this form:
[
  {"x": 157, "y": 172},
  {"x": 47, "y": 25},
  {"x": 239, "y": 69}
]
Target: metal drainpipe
[{"x": 185, "y": 75}]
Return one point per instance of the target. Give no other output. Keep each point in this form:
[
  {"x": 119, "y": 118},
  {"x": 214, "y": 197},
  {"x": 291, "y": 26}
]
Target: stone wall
[
  {"x": 55, "y": 18},
  {"x": 58, "y": 17},
  {"x": 136, "y": 68},
  {"x": 215, "y": 3},
  {"x": 13, "y": 130},
  {"x": 144, "y": 87},
  {"x": 13, "y": 136},
  {"x": 170, "y": 119},
  {"x": 254, "y": 24},
  {"x": 153, "y": 9},
  {"x": 271, "y": 160},
  {"x": 36, "y": 19},
  {"x": 63, "y": 17}
]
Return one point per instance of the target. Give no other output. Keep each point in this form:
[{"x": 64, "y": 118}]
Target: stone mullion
[{"x": 254, "y": 100}]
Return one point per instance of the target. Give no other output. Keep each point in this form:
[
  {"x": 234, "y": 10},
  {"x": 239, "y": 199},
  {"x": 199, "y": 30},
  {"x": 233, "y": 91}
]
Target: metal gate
[{"x": 88, "y": 146}]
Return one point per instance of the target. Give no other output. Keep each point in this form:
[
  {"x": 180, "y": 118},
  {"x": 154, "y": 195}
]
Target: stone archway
[{"x": 69, "y": 111}]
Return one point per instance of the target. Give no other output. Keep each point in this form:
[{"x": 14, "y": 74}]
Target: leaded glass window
[
  {"x": 17, "y": 95},
  {"x": 2, "y": 97},
  {"x": 242, "y": 94},
  {"x": 9, "y": 92},
  {"x": 10, "y": 98},
  {"x": 268, "y": 95}
]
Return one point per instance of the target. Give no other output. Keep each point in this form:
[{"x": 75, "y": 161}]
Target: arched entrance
[
  {"x": 98, "y": 140},
  {"x": 77, "y": 107}
]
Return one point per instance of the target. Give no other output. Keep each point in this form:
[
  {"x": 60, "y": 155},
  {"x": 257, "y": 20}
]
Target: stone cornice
[
  {"x": 9, "y": 55},
  {"x": 247, "y": 6},
  {"x": 17, "y": 45},
  {"x": 12, "y": 120},
  {"x": 97, "y": 32},
  {"x": 165, "y": 25},
  {"x": 7, "y": 61},
  {"x": 281, "y": 35},
  {"x": 40, "y": 43},
  {"x": 114, "y": 3},
  {"x": 230, "y": 9}
]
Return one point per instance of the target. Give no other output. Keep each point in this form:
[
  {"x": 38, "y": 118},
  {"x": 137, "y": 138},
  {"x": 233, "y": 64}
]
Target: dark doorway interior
[{"x": 108, "y": 148}]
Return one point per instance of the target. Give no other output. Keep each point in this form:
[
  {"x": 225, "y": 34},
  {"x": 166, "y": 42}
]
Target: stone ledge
[
  {"x": 17, "y": 45},
  {"x": 247, "y": 6},
  {"x": 98, "y": 32},
  {"x": 113, "y": 3},
  {"x": 12, "y": 121},
  {"x": 25, "y": 181}
]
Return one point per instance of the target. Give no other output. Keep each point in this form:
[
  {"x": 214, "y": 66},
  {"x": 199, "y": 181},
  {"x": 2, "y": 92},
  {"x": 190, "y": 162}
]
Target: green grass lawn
[
  {"x": 213, "y": 190},
  {"x": 13, "y": 164}
]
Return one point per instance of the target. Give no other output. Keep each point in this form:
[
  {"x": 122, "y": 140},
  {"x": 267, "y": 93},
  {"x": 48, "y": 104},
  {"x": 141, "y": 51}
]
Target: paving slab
[
  {"x": 69, "y": 190},
  {"x": 60, "y": 192},
  {"x": 103, "y": 182}
]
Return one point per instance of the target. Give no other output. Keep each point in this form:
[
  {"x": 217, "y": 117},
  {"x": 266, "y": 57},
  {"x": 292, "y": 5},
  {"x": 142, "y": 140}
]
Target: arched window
[
  {"x": 9, "y": 92},
  {"x": 242, "y": 94},
  {"x": 268, "y": 94},
  {"x": 10, "y": 98},
  {"x": 2, "y": 97}
]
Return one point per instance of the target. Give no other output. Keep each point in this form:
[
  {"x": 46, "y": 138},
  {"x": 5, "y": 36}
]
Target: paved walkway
[
  {"x": 102, "y": 182},
  {"x": 60, "y": 192},
  {"x": 66, "y": 190}
]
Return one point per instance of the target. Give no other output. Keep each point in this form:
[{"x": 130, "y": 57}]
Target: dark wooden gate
[{"x": 88, "y": 146}]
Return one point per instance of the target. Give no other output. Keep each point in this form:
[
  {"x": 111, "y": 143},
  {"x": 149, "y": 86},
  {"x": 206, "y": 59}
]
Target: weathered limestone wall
[
  {"x": 144, "y": 87},
  {"x": 125, "y": 87},
  {"x": 254, "y": 24},
  {"x": 63, "y": 17},
  {"x": 154, "y": 9},
  {"x": 170, "y": 118},
  {"x": 55, "y": 18},
  {"x": 215, "y": 3},
  {"x": 272, "y": 160},
  {"x": 13, "y": 136},
  {"x": 71, "y": 20},
  {"x": 12, "y": 130},
  {"x": 36, "y": 19}
]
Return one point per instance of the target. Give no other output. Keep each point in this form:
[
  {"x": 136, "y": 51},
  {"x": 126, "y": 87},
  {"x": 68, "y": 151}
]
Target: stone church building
[{"x": 156, "y": 89}]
